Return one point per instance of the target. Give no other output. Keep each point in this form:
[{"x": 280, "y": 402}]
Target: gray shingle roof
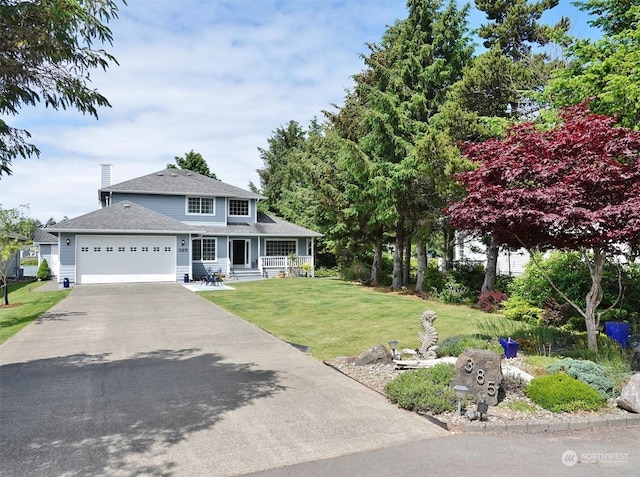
[
  {"x": 266, "y": 225},
  {"x": 43, "y": 236},
  {"x": 180, "y": 182},
  {"x": 122, "y": 217}
]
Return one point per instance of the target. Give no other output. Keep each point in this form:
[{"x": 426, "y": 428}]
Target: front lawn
[
  {"x": 335, "y": 318},
  {"x": 32, "y": 305}
]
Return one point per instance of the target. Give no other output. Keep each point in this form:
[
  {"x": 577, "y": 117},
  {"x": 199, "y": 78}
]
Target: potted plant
[
  {"x": 293, "y": 258},
  {"x": 306, "y": 268},
  {"x": 616, "y": 326}
]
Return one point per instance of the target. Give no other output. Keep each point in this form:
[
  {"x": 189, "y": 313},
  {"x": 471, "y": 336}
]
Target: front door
[{"x": 240, "y": 253}]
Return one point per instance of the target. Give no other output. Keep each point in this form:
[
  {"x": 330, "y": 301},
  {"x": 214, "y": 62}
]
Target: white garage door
[{"x": 125, "y": 259}]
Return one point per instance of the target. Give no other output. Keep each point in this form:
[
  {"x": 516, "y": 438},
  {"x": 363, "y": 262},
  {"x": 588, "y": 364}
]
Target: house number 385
[{"x": 481, "y": 379}]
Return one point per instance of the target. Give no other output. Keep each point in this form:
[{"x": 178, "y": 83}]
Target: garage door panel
[{"x": 125, "y": 259}]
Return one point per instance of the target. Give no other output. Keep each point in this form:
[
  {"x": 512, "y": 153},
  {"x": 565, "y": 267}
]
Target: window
[
  {"x": 167, "y": 249},
  {"x": 96, "y": 249},
  {"x": 156, "y": 249},
  {"x": 239, "y": 207},
  {"x": 84, "y": 249},
  {"x": 201, "y": 205},
  {"x": 133, "y": 249},
  {"x": 109, "y": 249},
  {"x": 121, "y": 249},
  {"x": 145, "y": 249},
  {"x": 204, "y": 249},
  {"x": 280, "y": 248}
]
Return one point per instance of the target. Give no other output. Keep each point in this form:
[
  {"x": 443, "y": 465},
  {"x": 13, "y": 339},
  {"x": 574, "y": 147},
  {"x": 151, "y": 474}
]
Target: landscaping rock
[
  {"x": 479, "y": 370},
  {"x": 377, "y": 354},
  {"x": 630, "y": 397}
]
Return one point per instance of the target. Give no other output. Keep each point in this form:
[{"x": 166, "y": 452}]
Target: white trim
[
  {"x": 266, "y": 240},
  {"x": 229, "y": 214},
  {"x": 199, "y": 214},
  {"x": 215, "y": 239},
  {"x": 125, "y": 258}
]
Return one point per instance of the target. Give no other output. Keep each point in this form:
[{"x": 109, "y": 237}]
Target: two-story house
[{"x": 171, "y": 225}]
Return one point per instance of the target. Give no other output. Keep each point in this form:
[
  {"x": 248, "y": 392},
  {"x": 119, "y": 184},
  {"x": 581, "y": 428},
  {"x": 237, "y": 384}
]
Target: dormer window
[
  {"x": 238, "y": 208},
  {"x": 201, "y": 205}
]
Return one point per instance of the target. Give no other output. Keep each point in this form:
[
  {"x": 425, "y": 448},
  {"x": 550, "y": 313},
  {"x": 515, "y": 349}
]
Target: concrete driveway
[{"x": 151, "y": 379}]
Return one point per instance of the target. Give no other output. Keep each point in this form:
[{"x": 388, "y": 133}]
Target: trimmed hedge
[
  {"x": 586, "y": 371},
  {"x": 562, "y": 393},
  {"x": 424, "y": 390}
]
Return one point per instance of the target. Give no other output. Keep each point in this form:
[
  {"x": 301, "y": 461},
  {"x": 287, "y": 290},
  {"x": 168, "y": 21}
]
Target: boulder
[
  {"x": 630, "y": 397},
  {"x": 377, "y": 354},
  {"x": 480, "y": 372}
]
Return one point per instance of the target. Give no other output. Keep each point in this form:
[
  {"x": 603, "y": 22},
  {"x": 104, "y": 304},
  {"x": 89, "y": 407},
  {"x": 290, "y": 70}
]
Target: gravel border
[{"x": 500, "y": 418}]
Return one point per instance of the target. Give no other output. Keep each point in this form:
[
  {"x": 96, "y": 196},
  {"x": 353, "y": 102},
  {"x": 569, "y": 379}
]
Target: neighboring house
[
  {"x": 48, "y": 250},
  {"x": 171, "y": 225},
  {"x": 12, "y": 265},
  {"x": 510, "y": 262}
]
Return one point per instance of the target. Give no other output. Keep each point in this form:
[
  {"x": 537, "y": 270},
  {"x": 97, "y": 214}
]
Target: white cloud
[{"x": 214, "y": 76}]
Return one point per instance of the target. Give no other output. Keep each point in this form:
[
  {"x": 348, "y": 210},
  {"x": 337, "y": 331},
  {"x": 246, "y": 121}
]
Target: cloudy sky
[{"x": 214, "y": 76}]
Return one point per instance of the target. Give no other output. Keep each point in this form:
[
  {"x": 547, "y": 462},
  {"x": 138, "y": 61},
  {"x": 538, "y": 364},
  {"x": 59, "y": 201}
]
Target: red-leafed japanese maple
[{"x": 574, "y": 187}]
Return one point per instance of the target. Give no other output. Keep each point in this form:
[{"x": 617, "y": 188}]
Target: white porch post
[{"x": 259, "y": 256}]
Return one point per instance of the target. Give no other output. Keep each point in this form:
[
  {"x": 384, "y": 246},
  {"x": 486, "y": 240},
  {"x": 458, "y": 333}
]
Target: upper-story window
[
  {"x": 239, "y": 207},
  {"x": 201, "y": 205}
]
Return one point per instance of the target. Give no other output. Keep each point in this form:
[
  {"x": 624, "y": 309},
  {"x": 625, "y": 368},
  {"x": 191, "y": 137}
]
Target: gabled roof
[
  {"x": 43, "y": 236},
  {"x": 122, "y": 217},
  {"x": 266, "y": 225},
  {"x": 179, "y": 182}
]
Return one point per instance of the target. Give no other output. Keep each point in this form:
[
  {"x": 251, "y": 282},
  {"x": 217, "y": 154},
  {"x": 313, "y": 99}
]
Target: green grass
[
  {"x": 33, "y": 304},
  {"x": 336, "y": 318}
]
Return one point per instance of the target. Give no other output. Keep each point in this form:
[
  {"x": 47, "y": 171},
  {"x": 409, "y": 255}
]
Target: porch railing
[{"x": 285, "y": 263}]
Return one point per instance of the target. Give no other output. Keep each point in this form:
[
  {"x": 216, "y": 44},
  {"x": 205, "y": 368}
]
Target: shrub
[
  {"x": 519, "y": 309},
  {"x": 562, "y": 393},
  {"x": 433, "y": 277},
  {"x": 570, "y": 274},
  {"x": 468, "y": 274},
  {"x": 453, "y": 292},
  {"x": 489, "y": 300},
  {"x": 324, "y": 272},
  {"x": 586, "y": 371},
  {"x": 455, "y": 345},
  {"x": 543, "y": 339},
  {"x": 44, "y": 272},
  {"x": 424, "y": 390}
]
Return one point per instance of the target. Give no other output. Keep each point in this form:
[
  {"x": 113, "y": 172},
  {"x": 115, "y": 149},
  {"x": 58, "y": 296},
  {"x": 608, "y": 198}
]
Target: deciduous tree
[
  {"x": 575, "y": 186},
  {"x": 46, "y": 55},
  {"x": 15, "y": 230}
]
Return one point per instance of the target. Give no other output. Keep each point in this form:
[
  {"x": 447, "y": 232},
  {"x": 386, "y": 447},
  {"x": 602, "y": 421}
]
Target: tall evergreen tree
[
  {"x": 277, "y": 175},
  {"x": 193, "y": 161},
  {"x": 409, "y": 73},
  {"x": 501, "y": 82}
]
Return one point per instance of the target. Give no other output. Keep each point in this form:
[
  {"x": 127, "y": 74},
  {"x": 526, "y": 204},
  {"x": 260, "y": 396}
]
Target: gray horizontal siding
[{"x": 173, "y": 206}]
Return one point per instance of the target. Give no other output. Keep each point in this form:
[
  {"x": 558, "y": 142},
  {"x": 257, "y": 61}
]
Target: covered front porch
[{"x": 270, "y": 257}]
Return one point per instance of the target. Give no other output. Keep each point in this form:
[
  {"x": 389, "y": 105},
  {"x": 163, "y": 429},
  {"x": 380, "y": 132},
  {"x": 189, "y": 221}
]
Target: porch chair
[{"x": 213, "y": 278}]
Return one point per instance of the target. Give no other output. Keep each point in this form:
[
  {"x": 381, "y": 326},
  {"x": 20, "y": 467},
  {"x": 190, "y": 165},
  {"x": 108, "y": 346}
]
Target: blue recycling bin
[
  {"x": 510, "y": 347},
  {"x": 618, "y": 331},
  {"x": 186, "y": 278},
  {"x": 65, "y": 283}
]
